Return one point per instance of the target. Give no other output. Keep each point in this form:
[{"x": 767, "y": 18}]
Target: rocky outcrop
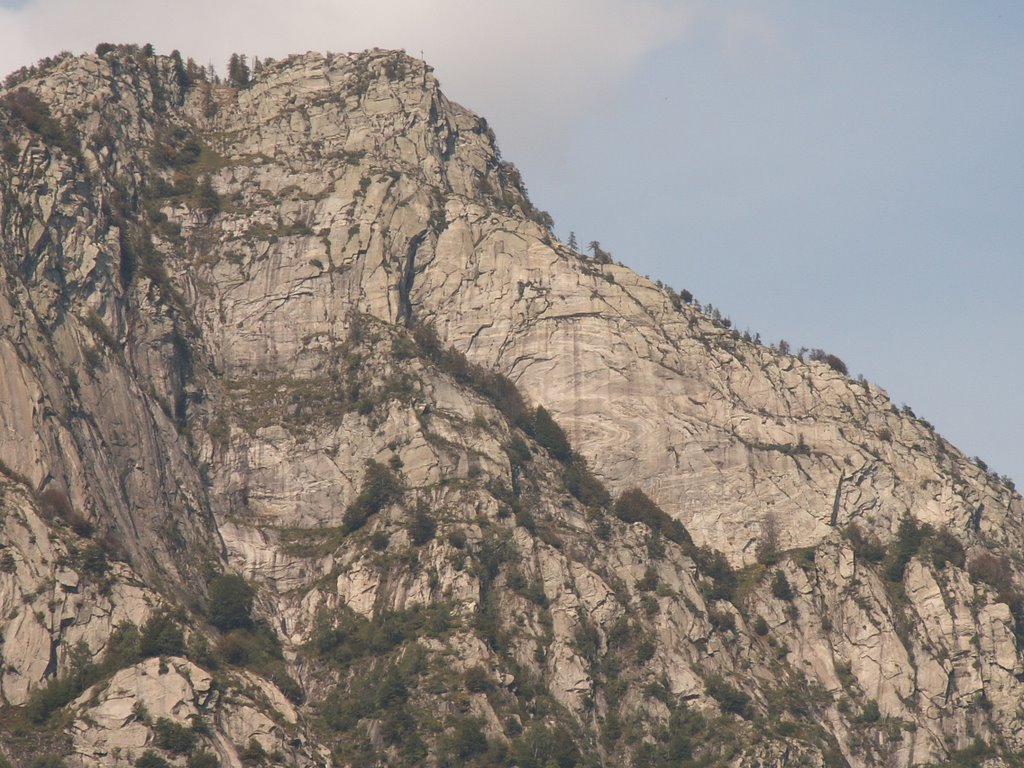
[{"x": 219, "y": 310}]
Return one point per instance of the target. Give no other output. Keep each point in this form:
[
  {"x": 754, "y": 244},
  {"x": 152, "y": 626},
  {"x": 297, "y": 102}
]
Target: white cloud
[{"x": 533, "y": 67}]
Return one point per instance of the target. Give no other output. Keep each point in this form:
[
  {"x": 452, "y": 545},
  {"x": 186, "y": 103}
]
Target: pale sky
[{"x": 846, "y": 175}]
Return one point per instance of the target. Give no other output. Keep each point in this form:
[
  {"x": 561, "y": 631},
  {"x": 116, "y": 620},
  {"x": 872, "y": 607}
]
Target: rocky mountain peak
[{"x": 319, "y": 448}]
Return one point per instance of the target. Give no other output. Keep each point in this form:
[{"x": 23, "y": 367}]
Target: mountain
[{"x": 318, "y": 448}]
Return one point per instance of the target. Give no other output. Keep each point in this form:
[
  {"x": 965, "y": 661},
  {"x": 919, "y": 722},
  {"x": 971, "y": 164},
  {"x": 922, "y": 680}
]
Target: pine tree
[
  {"x": 573, "y": 245},
  {"x": 601, "y": 256},
  {"x": 238, "y": 71}
]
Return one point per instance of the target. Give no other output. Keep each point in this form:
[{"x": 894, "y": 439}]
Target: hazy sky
[{"x": 846, "y": 175}]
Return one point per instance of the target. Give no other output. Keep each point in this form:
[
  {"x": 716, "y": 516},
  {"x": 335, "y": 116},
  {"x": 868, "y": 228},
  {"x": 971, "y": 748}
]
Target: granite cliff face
[{"x": 299, "y": 332}]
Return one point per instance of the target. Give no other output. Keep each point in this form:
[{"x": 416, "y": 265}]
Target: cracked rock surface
[{"x": 297, "y": 332}]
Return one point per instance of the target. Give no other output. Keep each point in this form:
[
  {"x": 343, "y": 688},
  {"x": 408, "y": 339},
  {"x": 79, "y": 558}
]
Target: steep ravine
[{"x": 280, "y": 482}]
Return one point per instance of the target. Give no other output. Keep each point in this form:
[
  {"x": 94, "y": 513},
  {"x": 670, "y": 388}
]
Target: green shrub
[
  {"x": 173, "y": 736},
  {"x": 253, "y": 753},
  {"x": 11, "y": 152},
  {"x": 150, "y": 759},
  {"x": 230, "y": 605},
  {"x": 124, "y": 647},
  {"x": 760, "y": 626},
  {"x": 730, "y": 699},
  {"x": 997, "y": 573},
  {"x": 518, "y": 452},
  {"x": 352, "y": 637},
  {"x": 478, "y": 680},
  {"x": 721, "y": 620},
  {"x": 634, "y": 506},
  {"x": 870, "y": 714},
  {"x": 649, "y": 582},
  {"x": 490, "y": 384},
  {"x": 714, "y": 566},
  {"x": 645, "y": 651},
  {"x": 35, "y": 115},
  {"x": 780, "y": 587},
  {"x": 550, "y": 436},
  {"x": 202, "y": 759},
  {"x": 909, "y": 538},
  {"x": 48, "y": 761},
  {"x": 582, "y": 484},
  {"x": 540, "y": 746},
  {"x": 830, "y": 360},
  {"x": 43, "y": 702},
  {"x": 945, "y": 548},
  {"x": 422, "y": 527},
  {"x": 161, "y": 636},
  {"x": 381, "y": 487},
  {"x": 466, "y": 741},
  {"x": 865, "y": 546}
]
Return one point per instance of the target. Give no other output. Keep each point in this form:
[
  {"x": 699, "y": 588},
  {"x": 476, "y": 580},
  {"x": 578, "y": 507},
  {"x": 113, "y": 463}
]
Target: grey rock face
[{"x": 211, "y": 344}]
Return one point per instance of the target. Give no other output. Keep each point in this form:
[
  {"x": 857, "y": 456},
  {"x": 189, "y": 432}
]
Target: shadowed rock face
[{"x": 214, "y": 356}]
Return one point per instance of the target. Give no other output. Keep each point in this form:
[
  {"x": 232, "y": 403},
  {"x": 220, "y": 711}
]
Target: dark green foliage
[
  {"x": 11, "y": 152},
  {"x": 124, "y": 647},
  {"x": 721, "y": 620},
  {"x": 478, "y": 680},
  {"x": 48, "y": 761},
  {"x": 122, "y": 651},
  {"x": 173, "y": 736},
  {"x": 258, "y": 648},
  {"x": 238, "y": 71},
  {"x": 253, "y": 753},
  {"x": 582, "y": 484},
  {"x": 35, "y": 115},
  {"x": 830, "y": 360},
  {"x": 587, "y": 641},
  {"x": 715, "y": 567},
  {"x": 353, "y": 637},
  {"x": 780, "y": 587},
  {"x": 996, "y": 572},
  {"x": 945, "y": 548},
  {"x": 634, "y": 506},
  {"x": 202, "y": 759},
  {"x": 730, "y": 699},
  {"x": 909, "y": 538},
  {"x": 464, "y": 742},
  {"x": 161, "y": 636},
  {"x": 540, "y": 746},
  {"x": 760, "y": 626},
  {"x": 550, "y": 436},
  {"x": 382, "y": 692},
  {"x": 181, "y": 75},
  {"x": 175, "y": 147},
  {"x": 230, "y": 605},
  {"x": 150, "y": 759},
  {"x": 649, "y": 582},
  {"x": 381, "y": 487},
  {"x": 645, "y": 651},
  {"x": 206, "y": 196},
  {"x": 94, "y": 559},
  {"x": 969, "y": 757},
  {"x": 104, "y": 48},
  {"x": 518, "y": 452},
  {"x": 422, "y": 527},
  {"x": 685, "y": 731},
  {"x": 43, "y": 702},
  {"x": 866, "y": 546},
  {"x": 870, "y": 714},
  {"x": 490, "y": 384}
]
